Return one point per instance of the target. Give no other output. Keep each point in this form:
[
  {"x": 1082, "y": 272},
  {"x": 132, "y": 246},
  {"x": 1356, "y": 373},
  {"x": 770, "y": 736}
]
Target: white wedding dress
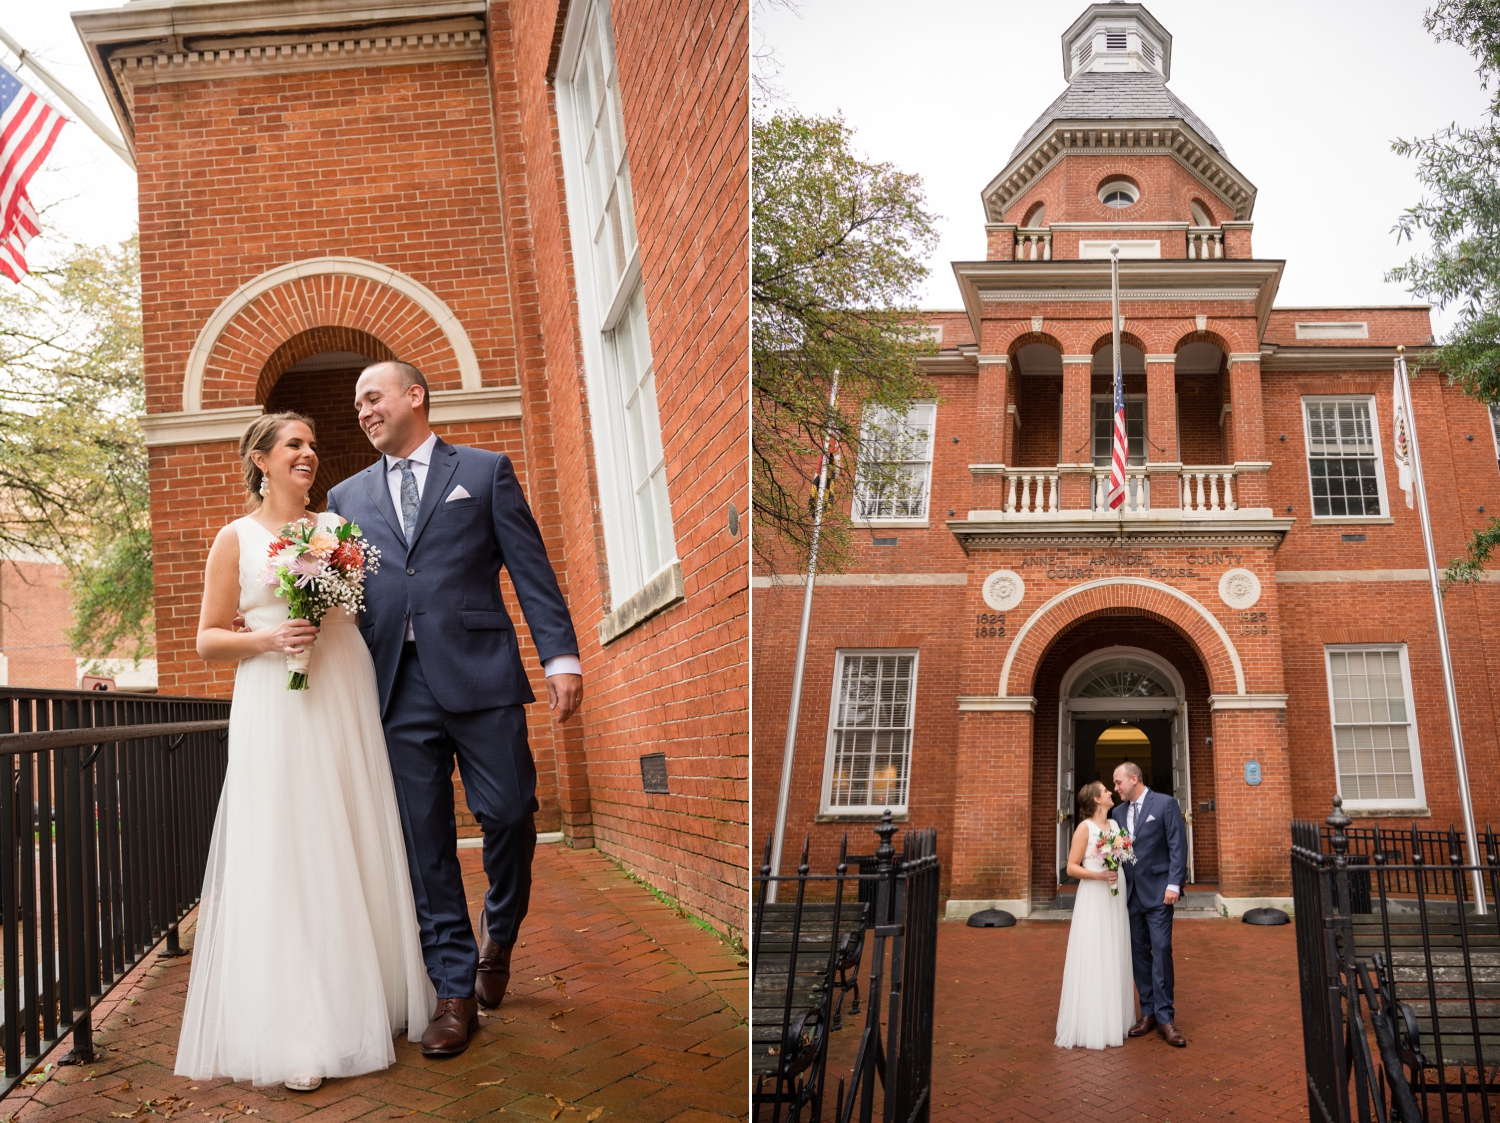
[
  {"x": 1098, "y": 988},
  {"x": 307, "y": 958}
]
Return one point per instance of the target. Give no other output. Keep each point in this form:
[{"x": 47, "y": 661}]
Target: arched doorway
[
  {"x": 314, "y": 373},
  {"x": 1113, "y": 685}
]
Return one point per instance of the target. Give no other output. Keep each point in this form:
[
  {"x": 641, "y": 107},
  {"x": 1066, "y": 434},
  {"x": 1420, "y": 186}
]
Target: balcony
[
  {"x": 1205, "y": 243},
  {"x": 1034, "y": 245}
]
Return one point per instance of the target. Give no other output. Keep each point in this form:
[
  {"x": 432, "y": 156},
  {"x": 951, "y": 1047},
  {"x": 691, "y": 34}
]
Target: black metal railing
[
  {"x": 103, "y": 841},
  {"x": 1399, "y": 972},
  {"x": 805, "y": 949}
]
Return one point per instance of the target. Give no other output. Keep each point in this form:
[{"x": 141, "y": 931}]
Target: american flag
[
  {"x": 1121, "y": 448},
  {"x": 28, "y": 129}
]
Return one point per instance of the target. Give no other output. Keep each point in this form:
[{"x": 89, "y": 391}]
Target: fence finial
[
  {"x": 886, "y": 830},
  {"x": 1340, "y": 823}
]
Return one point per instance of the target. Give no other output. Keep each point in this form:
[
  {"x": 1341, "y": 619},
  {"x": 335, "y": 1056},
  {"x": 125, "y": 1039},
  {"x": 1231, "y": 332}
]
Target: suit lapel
[
  {"x": 439, "y": 472},
  {"x": 380, "y": 494}
]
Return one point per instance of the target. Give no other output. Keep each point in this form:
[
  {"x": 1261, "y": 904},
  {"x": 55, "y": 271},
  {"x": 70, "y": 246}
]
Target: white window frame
[
  {"x": 623, "y": 451},
  {"x": 1385, "y": 503},
  {"x": 1145, "y": 430},
  {"x": 857, "y": 514},
  {"x": 825, "y": 799},
  {"x": 1418, "y": 802},
  {"x": 1495, "y": 429}
]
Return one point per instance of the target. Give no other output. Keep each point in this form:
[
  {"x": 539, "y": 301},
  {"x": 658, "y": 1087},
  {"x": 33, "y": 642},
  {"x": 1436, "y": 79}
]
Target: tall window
[
  {"x": 1104, "y": 430},
  {"x": 1374, "y": 737},
  {"x": 1343, "y": 457},
  {"x": 869, "y": 739},
  {"x": 1495, "y": 428},
  {"x": 895, "y": 464},
  {"x": 612, "y": 307}
]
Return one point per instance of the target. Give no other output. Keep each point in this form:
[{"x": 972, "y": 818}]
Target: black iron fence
[
  {"x": 103, "y": 841},
  {"x": 1398, "y": 950},
  {"x": 870, "y": 927}
]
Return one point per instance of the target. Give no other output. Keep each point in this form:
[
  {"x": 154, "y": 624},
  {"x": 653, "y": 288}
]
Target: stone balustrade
[
  {"x": 1208, "y": 490},
  {"x": 1034, "y": 245},
  {"x": 1204, "y": 243},
  {"x": 1030, "y": 492},
  {"x": 1137, "y": 492}
]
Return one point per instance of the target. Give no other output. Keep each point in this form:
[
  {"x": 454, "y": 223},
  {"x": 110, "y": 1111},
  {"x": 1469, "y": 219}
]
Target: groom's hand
[
  {"x": 1172, "y": 896},
  {"x": 564, "y": 693}
]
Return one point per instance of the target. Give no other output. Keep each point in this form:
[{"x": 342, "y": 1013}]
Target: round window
[{"x": 1118, "y": 193}]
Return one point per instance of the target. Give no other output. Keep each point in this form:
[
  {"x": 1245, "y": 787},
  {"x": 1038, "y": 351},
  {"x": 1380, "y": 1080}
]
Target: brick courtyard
[
  {"x": 619, "y": 1009},
  {"x": 993, "y": 1057}
]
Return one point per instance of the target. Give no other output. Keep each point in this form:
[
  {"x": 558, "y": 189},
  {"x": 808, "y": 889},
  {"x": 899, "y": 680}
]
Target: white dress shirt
[
  {"x": 420, "y": 459},
  {"x": 1130, "y": 823}
]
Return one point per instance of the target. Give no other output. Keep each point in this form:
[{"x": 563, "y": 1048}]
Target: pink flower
[{"x": 308, "y": 569}]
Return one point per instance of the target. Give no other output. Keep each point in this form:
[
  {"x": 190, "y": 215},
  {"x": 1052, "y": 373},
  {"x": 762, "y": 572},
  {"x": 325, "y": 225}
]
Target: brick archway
[
  {"x": 314, "y": 342},
  {"x": 239, "y": 341},
  {"x": 1219, "y": 656}
]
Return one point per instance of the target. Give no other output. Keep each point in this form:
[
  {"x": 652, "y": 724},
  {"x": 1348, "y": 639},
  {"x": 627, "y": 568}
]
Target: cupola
[{"x": 1116, "y": 37}]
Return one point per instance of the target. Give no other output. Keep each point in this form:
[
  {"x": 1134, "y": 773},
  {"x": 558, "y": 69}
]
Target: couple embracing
[
  {"x": 1122, "y": 926},
  {"x": 333, "y": 913}
]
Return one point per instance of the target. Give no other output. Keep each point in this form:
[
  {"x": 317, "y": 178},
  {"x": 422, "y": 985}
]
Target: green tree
[
  {"x": 1459, "y": 170},
  {"x": 73, "y": 466},
  {"x": 840, "y": 249}
]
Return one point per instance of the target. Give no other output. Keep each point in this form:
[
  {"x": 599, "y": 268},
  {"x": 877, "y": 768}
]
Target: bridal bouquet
[
  {"x": 318, "y": 569},
  {"x": 1116, "y": 849}
]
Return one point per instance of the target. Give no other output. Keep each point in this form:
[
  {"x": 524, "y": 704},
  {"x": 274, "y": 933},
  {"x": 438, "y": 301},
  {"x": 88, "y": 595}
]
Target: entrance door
[
  {"x": 1182, "y": 778},
  {"x": 1065, "y": 773}
]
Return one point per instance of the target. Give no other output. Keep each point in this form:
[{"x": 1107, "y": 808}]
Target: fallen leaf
[
  {"x": 125, "y": 1087},
  {"x": 591, "y": 1116},
  {"x": 588, "y": 929},
  {"x": 557, "y": 1027},
  {"x": 560, "y": 1013},
  {"x": 490, "y": 1083},
  {"x": 556, "y": 1113}
]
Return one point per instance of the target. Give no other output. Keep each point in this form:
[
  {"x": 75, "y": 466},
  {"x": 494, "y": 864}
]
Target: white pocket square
[
  {"x": 457, "y": 493},
  {"x": 1150, "y": 817}
]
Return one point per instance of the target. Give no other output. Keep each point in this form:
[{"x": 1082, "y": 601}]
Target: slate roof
[{"x": 1098, "y": 95}]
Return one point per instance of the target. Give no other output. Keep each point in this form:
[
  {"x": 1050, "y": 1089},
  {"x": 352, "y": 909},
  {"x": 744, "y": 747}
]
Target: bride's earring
[{"x": 265, "y": 485}]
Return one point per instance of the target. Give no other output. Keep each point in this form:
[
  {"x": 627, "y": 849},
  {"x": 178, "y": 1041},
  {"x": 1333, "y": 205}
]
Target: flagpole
[
  {"x": 1449, "y": 685},
  {"x": 85, "y": 114},
  {"x": 1115, "y": 396},
  {"x": 783, "y": 797}
]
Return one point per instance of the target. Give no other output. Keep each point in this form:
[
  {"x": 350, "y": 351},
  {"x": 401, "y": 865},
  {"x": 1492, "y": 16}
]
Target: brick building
[
  {"x": 543, "y": 205},
  {"x": 1254, "y": 627}
]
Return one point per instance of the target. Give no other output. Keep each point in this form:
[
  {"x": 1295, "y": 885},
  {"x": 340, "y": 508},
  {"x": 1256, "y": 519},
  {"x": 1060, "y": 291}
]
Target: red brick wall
[{"x": 35, "y": 614}]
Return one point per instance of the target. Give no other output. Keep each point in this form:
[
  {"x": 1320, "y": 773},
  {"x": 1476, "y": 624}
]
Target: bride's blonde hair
[
  {"x": 1088, "y": 798},
  {"x": 261, "y": 437}
]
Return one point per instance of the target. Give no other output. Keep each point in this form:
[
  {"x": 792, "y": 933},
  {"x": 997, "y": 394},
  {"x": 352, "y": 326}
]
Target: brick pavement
[
  {"x": 619, "y": 1010},
  {"x": 993, "y": 1057}
]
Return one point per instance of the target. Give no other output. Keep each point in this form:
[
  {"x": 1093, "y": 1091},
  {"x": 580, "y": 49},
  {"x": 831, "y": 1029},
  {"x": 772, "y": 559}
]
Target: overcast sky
[{"x": 1304, "y": 96}]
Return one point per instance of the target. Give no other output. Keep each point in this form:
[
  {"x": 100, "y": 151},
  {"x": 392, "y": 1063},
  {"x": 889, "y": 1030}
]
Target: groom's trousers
[
  {"x": 499, "y": 777},
  {"x": 1151, "y": 960}
]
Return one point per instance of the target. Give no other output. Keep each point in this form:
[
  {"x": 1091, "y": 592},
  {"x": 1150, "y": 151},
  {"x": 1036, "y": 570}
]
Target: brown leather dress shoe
[
  {"x": 1144, "y": 1026},
  {"x": 1171, "y": 1035},
  {"x": 493, "y": 975},
  {"x": 448, "y": 1033}
]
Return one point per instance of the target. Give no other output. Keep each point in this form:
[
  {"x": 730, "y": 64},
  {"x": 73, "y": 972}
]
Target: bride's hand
[
  {"x": 1111, "y": 876},
  {"x": 291, "y": 637}
]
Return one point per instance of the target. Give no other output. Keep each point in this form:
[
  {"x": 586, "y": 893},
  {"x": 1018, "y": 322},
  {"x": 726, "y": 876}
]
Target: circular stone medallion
[
  {"x": 1239, "y": 588},
  {"x": 1003, "y": 590}
]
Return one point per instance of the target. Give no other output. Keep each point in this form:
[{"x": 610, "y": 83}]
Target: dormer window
[
  {"x": 1114, "y": 40},
  {"x": 1200, "y": 215},
  {"x": 1118, "y": 193}
]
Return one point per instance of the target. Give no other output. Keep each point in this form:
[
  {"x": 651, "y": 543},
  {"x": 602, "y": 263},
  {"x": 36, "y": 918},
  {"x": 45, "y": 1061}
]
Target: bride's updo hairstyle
[
  {"x": 261, "y": 437},
  {"x": 1088, "y": 799}
]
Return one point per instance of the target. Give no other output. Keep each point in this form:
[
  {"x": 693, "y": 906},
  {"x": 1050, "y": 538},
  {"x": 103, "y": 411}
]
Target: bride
[
  {"x": 307, "y": 959},
  {"x": 1098, "y": 1001}
]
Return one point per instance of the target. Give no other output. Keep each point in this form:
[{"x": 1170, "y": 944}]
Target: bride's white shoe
[{"x": 307, "y": 1084}]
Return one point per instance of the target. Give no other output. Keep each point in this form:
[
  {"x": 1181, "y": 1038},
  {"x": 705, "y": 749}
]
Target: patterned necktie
[
  {"x": 1134, "y": 811},
  {"x": 409, "y": 498}
]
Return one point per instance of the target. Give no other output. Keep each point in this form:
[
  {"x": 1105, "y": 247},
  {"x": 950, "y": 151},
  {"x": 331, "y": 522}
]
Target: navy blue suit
[
  {"x": 1160, "y": 846},
  {"x": 459, "y": 690}
]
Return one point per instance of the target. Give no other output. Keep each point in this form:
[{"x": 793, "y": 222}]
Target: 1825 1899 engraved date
[{"x": 989, "y": 625}]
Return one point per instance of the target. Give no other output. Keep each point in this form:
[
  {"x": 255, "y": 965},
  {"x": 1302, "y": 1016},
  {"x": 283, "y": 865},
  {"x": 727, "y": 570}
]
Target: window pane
[
  {"x": 1371, "y": 727},
  {"x": 1341, "y": 459},
  {"x": 872, "y": 732},
  {"x": 895, "y": 464}
]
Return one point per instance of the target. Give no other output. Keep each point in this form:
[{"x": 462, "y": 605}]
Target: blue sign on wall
[{"x": 1252, "y": 772}]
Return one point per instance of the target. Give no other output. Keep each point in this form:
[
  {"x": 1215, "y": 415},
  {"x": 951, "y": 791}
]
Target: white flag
[{"x": 1403, "y": 438}]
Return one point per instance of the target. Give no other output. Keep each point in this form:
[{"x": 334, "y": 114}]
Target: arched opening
[
  {"x": 1036, "y": 216},
  {"x": 1200, "y": 213},
  {"x": 1202, "y": 377},
  {"x": 1038, "y": 401},
  {"x": 314, "y": 373},
  {"x": 1112, "y": 688}
]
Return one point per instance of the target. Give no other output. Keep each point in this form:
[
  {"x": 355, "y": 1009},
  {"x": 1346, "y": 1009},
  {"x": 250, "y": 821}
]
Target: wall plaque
[
  {"x": 654, "y": 773},
  {"x": 1239, "y": 588},
  {"x": 1003, "y": 590}
]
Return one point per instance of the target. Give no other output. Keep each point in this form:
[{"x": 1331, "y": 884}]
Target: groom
[
  {"x": 1159, "y": 839},
  {"x": 448, "y": 667}
]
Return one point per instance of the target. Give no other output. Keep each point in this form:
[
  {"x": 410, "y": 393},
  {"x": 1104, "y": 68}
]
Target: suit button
[{"x": 411, "y": 572}]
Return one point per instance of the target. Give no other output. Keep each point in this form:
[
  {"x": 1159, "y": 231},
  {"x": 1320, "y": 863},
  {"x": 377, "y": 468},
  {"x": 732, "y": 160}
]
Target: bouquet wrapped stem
[
  {"x": 317, "y": 569},
  {"x": 1117, "y": 849}
]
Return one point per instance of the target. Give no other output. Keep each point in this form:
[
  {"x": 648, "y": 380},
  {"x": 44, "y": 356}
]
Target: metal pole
[
  {"x": 1449, "y": 685},
  {"x": 788, "y": 751},
  {"x": 1116, "y": 390},
  {"x": 68, "y": 98}
]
